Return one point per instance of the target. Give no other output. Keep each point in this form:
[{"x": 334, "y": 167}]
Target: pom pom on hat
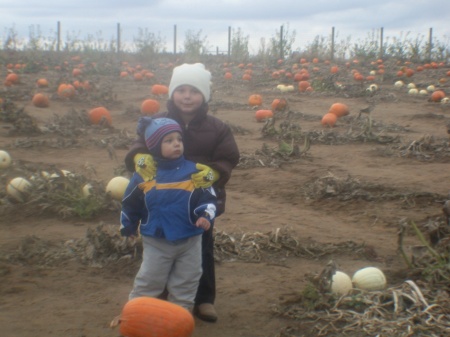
[
  {"x": 154, "y": 129},
  {"x": 192, "y": 74}
]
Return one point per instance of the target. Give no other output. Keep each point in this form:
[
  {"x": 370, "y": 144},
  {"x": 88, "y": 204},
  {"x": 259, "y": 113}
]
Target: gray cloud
[{"x": 256, "y": 19}]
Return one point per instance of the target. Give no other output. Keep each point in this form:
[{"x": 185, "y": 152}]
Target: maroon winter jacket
[{"x": 207, "y": 140}]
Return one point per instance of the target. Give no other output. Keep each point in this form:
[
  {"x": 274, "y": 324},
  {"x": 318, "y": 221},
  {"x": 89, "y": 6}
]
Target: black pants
[{"x": 206, "y": 292}]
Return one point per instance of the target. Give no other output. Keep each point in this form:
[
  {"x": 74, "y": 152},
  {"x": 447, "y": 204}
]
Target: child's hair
[
  {"x": 154, "y": 129},
  {"x": 194, "y": 75}
]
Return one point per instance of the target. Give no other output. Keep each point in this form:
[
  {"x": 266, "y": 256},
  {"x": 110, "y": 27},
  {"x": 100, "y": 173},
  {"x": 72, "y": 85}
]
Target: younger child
[{"x": 171, "y": 215}]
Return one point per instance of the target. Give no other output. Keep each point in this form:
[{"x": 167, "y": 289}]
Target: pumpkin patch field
[{"x": 337, "y": 216}]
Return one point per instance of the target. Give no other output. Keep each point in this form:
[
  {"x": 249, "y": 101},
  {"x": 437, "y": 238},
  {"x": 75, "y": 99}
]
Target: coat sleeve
[
  {"x": 226, "y": 155},
  {"x": 207, "y": 203},
  {"x": 133, "y": 207}
]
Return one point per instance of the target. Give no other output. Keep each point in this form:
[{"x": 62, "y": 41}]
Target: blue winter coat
[{"x": 167, "y": 206}]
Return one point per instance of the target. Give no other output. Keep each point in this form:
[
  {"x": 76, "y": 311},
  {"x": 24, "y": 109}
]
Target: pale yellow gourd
[
  {"x": 341, "y": 283},
  {"x": 117, "y": 186},
  {"x": 5, "y": 159},
  {"x": 369, "y": 278},
  {"x": 87, "y": 190},
  {"x": 17, "y": 188}
]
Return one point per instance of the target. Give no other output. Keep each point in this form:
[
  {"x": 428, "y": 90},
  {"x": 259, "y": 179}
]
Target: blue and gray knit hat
[{"x": 154, "y": 129}]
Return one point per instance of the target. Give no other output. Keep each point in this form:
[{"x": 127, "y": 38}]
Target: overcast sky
[{"x": 256, "y": 19}]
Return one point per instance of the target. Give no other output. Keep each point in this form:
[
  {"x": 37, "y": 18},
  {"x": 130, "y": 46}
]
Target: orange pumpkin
[
  {"x": 66, "y": 90},
  {"x": 334, "y": 70},
  {"x": 149, "y": 75},
  {"x": 76, "y": 72},
  {"x": 255, "y": 100},
  {"x": 247, "y": 77},
  {"x": 437, "y": 96},
  {"x": 152, "y": 317},
  {"x": 409, "y": 72},
  {"x": 123, "y": 74},
  {"x": 262, "y": 115},
  {"x": 12, "y": 78},
  {"x": 279, "y": 104},
  {"x": 358, "y": 77},
  {"x": 100, "y": 115},
  {"x": 228, "y": 75},
  {"x": 138, "y": 77},
  {"x": 303, "y": 85},
  {"x": 329, "y": 119},
  {"x": 339, "y": 109},
  {"x": 40, "y": 100},
  {"x": 159, "y": 89},
  {"x": 150, "y": 107},
  {"x": 42, "y": 83}
]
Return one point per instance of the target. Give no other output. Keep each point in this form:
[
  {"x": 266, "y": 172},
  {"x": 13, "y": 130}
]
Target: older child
[
  {"x": 171, "y": 214},
  {"x": 209, "y": 142}
]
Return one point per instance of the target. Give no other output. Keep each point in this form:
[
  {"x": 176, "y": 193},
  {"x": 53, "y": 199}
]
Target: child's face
[
  {"x": 172, "y": 145},
  {"x": 187, "y": 98}
]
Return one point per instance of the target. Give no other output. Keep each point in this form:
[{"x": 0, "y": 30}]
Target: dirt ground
[{"x": 344, "y": 199}]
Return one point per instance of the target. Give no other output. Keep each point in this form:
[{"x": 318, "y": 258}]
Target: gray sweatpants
[{"x": 175, "y": 265}]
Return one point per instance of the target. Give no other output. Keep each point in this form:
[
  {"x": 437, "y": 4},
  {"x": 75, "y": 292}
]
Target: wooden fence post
[
  {"x": 118, "y": 38},
  {"x": 281, "y": 44},
  {"x": 381, "y": 43},
  {"x": 430, "y": 43},
  {"x": 229, "y": 43},
  {"x": 58, "y": 36},
  {"x": 332, "y": 44},
  {"x": 174, "y": 39}
]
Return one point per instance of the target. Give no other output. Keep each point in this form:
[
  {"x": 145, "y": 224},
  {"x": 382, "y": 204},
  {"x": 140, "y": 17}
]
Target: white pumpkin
[
  {"x": 117, "y": 186},
  {"x": 17, "y": 188},
  {"x": 369, "y": 278},
  {"x": 399, "y": 84},
  {"x": 411, "y": 85},
  {"x": 423, "y": 92},
  {"x": 413, "y": 91},
  {"x": 373, "y": 87},
  {"x": 445, "y": 100},
  {"x": 87, "y": 190},
  {"x": 341, "y": 283},
  {"x": 5, "y": 159},
  {"x": 289, "y": 88},
  {"x": 431, "y": 88}
]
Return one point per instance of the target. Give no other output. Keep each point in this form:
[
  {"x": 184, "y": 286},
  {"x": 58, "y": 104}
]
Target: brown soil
[{"x": 345, "y": 196}]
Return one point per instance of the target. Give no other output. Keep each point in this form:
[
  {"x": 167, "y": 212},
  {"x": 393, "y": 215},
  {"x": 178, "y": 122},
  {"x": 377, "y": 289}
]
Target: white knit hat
[{"x": 191, "y": 74}]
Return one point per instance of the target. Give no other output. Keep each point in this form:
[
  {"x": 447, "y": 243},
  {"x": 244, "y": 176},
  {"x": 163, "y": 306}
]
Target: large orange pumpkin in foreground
[
  {"x": 100, "y": 115},
  {"x": 339, "y": 109},
  {"x": 150, "y": 107},
  {"x": 152, "y": 317},
  {"x": 40, "y": 100}
]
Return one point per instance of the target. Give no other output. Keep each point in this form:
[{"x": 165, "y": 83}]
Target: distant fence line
[{"x": 280, "y": 47}]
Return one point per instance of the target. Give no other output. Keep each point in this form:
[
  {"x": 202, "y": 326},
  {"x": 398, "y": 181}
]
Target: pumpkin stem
[{"x": 115, "y": 322}]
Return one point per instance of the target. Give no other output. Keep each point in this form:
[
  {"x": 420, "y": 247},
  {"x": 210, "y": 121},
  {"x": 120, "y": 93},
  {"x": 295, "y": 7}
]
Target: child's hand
[{"x": 203, "y": 223}]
